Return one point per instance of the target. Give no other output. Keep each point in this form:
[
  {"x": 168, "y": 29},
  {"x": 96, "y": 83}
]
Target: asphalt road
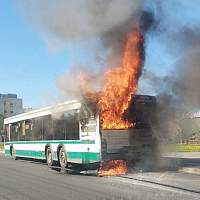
[{"x": 25, "y": 180}]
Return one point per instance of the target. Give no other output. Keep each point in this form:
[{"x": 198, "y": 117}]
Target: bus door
[{"x": 88, "y": 128}]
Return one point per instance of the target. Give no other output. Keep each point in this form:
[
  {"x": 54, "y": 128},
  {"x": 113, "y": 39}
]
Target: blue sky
[{"x": 27, "y": 67}]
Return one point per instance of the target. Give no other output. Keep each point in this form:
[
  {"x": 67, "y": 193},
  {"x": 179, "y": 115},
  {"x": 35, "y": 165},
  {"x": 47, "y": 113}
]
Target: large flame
[{"x": 120, "y": 84}]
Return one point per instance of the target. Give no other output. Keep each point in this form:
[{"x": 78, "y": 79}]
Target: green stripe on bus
[
  {"x": 28, "y": 153},
  {"x": 53, "y": 142},
  {"x": 84, "y": 157}
]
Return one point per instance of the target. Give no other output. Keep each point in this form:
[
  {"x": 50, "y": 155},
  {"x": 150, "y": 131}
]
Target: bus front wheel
[
  {"x": 62, "y": 158},
  {"x": 49, "y": 157}
]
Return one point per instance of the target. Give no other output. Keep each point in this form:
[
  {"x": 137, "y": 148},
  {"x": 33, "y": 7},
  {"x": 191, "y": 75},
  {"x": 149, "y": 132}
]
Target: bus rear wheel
[
  {"x": 62, "y": 158},
  {"x": 49, "y": 157}
]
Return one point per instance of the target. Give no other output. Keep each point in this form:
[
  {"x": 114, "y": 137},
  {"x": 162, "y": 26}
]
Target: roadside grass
[
  {"x": 1, "y": 146},
  {"x": 188, "y": 148}
]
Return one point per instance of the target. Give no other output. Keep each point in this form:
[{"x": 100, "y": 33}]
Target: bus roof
[{"x": 68, "y": 105}]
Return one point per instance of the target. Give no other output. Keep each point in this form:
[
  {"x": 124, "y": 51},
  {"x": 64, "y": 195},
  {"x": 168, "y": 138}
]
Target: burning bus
[
  {"x": 112, "y": 125},
  {"x": 71, "y": 133}
]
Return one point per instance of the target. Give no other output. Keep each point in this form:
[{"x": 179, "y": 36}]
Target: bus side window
[
  {"x": 6, "y": 132},
  {"x": 28, "y": 129},
  {"x": 66, "y": 127},
  {"x": 14, "y": 132},
  {"x": 37, "y": 129},
  {"x": 21, "y": 131},
  {"x": 48, "y": 128},
  {"x": 88, "y": 127},
  {"x": 59, "y": 129},
  {"x": 72, "y": 126}
]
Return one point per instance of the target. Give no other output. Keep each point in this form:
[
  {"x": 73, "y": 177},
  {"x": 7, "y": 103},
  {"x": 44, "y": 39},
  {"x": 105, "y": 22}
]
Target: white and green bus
[{"x": 70, "y": 133}]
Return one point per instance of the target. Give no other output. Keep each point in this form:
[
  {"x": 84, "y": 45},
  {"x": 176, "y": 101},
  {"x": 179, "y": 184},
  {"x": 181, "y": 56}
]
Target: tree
[{"x": 1, "y": 124}]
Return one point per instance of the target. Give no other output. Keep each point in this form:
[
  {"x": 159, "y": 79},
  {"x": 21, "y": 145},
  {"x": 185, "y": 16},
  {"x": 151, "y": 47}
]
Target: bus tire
[
  {"x": 62, "y": 157},
  {"x": 49, "y": 157},
  {"x": 13, "y": 153}
]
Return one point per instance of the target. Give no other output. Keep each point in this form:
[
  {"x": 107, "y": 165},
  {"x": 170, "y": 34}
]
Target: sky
[{"x": 29, "y": 67}]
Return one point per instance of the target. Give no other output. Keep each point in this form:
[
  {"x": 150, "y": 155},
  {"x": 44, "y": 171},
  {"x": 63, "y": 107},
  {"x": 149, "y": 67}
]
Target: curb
[
  {"x": 190, "y": 170},
  {"x": 184, "y": 155}
]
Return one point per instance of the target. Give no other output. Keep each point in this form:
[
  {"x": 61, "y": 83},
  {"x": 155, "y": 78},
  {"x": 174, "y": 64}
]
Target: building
[{"x": 10, "y": 105}]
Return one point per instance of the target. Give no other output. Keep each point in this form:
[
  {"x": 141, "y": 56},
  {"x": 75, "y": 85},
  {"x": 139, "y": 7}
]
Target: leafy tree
[{"x": 1, "y": 124}]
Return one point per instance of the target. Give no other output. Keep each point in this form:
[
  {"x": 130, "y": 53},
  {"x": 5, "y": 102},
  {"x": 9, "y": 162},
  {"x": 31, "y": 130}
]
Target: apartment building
[{"x": 10, "y": 105}]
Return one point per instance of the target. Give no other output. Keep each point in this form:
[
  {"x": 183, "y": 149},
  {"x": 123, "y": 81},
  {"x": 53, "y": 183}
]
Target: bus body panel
[
  {"x": 82, "y": 152},
  {"x": 85, "y": 148}
]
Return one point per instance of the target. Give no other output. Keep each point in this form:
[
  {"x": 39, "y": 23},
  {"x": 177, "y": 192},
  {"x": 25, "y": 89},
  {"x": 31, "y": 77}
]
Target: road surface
[{"x": 25, "y": 180}]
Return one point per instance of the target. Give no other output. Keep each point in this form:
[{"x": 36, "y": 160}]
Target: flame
[
  {"x": 113, "y": 168},
  {"x": 120, "y": 84}
]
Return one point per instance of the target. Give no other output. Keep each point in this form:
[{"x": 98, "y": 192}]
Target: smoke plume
[
  {"x": 178, "y": 90},
  {"x": 82, "y": 19},
  {"x": 104, "y": 21}
]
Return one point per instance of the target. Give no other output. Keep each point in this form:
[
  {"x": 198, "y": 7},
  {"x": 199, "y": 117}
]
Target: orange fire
[
  {"x": 113, "y": 168},
  {"x": 120, "y": 84}
]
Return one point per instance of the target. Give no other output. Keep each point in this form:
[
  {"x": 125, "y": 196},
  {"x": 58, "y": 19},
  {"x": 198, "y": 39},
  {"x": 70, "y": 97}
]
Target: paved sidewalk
[
  {"x": 193, "y": 155},
  {"x": 189, "y": 162},
  {"x": 190, "y": 170}
]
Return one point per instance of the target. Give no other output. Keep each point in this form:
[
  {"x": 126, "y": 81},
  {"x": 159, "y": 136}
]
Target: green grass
[
  {"x": 1, "y": 146},
  {"x": 188, "y": 148}
]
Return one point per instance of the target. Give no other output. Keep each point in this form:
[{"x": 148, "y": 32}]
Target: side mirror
[
  {"x": 84, "y": 128},
  {"x": 84, "y": 121}
]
